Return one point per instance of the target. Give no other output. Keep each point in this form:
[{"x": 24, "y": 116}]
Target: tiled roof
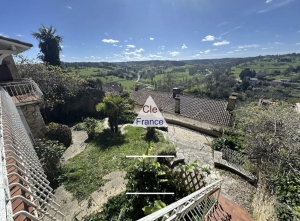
[
  {"x": 25, "y": 193},
  {"x": 16, "y": 41},
  {"x": 203, "y": 109}
]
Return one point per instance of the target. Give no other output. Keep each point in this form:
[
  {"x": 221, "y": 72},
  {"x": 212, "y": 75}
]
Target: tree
[
  {"x": 247, "y": 72},
  {"x": 114, "y": 107},
  {"x": 49, "y": 45},
  {"x": 272, "y": 143}
]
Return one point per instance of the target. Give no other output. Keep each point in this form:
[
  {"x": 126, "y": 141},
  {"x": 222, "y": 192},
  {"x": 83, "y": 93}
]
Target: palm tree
[
  {"x": 114, "y": 107},
  {"x": 49, "y": 45}
]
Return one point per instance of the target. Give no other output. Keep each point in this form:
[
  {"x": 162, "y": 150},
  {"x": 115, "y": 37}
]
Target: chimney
[
  {"x": 234, "y": 94},
  {"x": 176, "y": 91},
  {"x": 177, "y": 104},
  {"x": 231, "y": 103}
]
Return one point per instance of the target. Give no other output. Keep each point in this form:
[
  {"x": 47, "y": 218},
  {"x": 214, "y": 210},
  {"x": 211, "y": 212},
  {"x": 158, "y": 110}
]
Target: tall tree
[
  {"x": 49, "y": 45},
  {"x": 114, "y": 107}
]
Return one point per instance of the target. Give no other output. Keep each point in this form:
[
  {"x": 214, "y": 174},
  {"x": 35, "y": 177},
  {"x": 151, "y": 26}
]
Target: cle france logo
[{"x": 150, "y": 116}]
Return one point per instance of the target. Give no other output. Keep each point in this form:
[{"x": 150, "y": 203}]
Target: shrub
[
  {"x": 233, "y": 142},
  {"x": 50, "y": 153},
  {"x": 166, "y": 149},
  {"x": 151, "y": 135},
  {"x": 90, "y": 125},
  {"x": 127, "y": 118},
  {"x": 61, "y": 133},
  {"x": 79, "y": 127}
]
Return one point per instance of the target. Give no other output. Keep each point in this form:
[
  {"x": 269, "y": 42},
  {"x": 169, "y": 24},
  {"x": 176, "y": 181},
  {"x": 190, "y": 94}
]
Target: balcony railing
[
  {"x": 25, "y": 193},
  {"x": 23, "y": 91},
  {"x": 196, "y": 206}
]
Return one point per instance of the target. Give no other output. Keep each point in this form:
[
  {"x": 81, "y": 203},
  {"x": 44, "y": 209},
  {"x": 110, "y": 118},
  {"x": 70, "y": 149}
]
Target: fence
[
  {"x": 26, "y": 192},
  {"x": 233, "y": 160},
  {"x": 195, "y": 206},
  {"x": 23, "y": 91}
]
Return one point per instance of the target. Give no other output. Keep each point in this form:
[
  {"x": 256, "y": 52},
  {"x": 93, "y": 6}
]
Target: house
[
  {"x": 276, "y": 83},
  {"x": 205, "y": 115},
  {"x": 252, "y": 81},
  {"x": 112, "y": 87},
  {"x": 25, "y": 193}
]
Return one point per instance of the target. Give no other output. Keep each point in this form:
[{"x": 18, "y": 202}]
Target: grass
[{"x": 106, "y": 153}]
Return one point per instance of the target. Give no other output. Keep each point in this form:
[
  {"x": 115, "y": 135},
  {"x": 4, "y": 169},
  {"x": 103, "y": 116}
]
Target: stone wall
[
  {"x": 34, "y": 120},
  {"x": 201, "y": 126}
]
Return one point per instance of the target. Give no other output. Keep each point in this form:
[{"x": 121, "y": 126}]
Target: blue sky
[{"x": 126, "y": 30}]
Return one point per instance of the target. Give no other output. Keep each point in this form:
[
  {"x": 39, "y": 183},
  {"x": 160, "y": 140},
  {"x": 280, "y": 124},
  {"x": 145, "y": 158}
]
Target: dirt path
[
  {"x": 79, "y": 144},
  {"x": 71, "y": 207}
]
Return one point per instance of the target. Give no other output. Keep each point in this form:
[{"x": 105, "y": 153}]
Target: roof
[
  {"x": 112, "y": 87},
  {"x": 203, "y": 109},
  {"x": 25, "y": 193},
  {"x": 15, "y": 41},
  {"x": 253, "y": 79}
]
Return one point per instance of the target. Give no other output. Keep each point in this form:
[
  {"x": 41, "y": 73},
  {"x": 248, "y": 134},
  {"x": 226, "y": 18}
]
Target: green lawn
[{"x": 83, "y": 174}]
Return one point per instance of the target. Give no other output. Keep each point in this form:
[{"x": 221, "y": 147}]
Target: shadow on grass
[{"x": 107, "y": 139}]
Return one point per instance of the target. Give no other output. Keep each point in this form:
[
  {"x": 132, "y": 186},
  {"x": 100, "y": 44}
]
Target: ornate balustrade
[
  {"x": 24, "y": 91},
  {"x": 195, "y": 206}
]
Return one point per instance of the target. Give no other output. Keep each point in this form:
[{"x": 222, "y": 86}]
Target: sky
[{"x": 135, "y": 30}]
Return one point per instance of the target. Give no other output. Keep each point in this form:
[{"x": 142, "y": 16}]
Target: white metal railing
[
  {"x": 23, "y": 91},
  {"x": 21, "y": 170},
  {"x": 195, "y": 206}
]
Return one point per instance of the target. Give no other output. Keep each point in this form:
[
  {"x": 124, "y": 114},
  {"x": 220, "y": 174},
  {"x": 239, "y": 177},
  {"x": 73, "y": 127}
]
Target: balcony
[
  {"x": 196, "y": 206},
  {"x": 23, "y": 92}
]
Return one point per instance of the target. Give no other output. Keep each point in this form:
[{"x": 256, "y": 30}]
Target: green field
[{"x": 268, "y": 66}]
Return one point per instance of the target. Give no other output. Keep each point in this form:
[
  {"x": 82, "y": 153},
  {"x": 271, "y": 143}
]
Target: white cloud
[
  {"x": 69, "y": 7},
  {"x": 221, "y": 43},
  {"x": 130, "y": 46},
  {"x": 154, "y": 56},
  {"x": 268, "y": 1},
  {"x": 209, "y": 38},
  {"x": 126, "y": 49},
  {"x": 61, "y": 46},
  {"x": 278, "y": 43},
  {"x": 151, "y": 39},
  {"x": 264, "y": 48},
  {"x": 298, "y": 44},
  {"x": 207, "y": 51},
  {"x": 221, "y": 24},
  {"x": 230, "y": 52},
  {"x": 110, "y": 41},
  {"x": 114, "y": 45},
  {"x": 224, "y": 33},
  {"x": 237, "y": 27},
  {"x": 93, "y": 57},
  {"x": 174, "y": 53},
  {"x": 158, "y": 53},
  {"x": 184, "y": 46},
  {"x": 63, "y": 56},
  {"x": 277, "y": 5},
  {"x": 249, "y": 46},
  {"x": 125, "y": 40},
  {"x": 3, "y": 35},
  {"x": 106, "y": 33},
  {"x": 19, "y": 35},
  {"x": 139, "y": 50}
]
